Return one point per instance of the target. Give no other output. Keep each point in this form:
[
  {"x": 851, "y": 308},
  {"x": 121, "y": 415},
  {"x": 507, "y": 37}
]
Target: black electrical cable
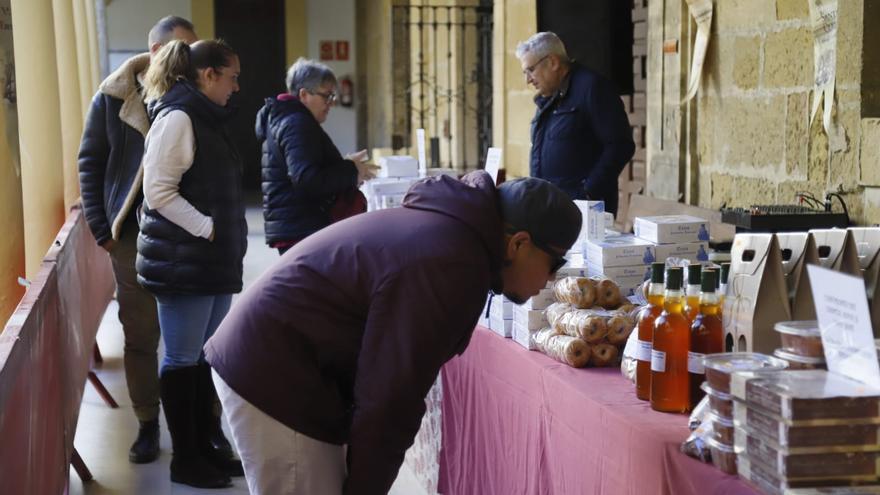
[
  {"x": 842, "y": 203},
  {"x": 811, "y": 200}
]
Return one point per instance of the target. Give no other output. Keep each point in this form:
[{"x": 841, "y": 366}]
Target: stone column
[
  {"x": 42, "y": 185},
  {"x": 69, "y": 94},
  {"x": 87, "y": 87},
  {"x": 12, "y": 240}
]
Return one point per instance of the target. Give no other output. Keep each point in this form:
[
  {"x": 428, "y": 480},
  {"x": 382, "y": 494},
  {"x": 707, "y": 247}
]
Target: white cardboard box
[
  {"x": 593, "y": 215},
  {"x": 691, "y": 251},
  {"x": 501, "y": 327},
  {"x": 522, "y": 336},
  {"x": 668, "y": 229},
  {"x": 545, "y": 298},
  {"x": 501, "y": 307},
  {"x": 628, "y": 278},
  {"x": 624, "y": 250},
  {"x": 532, "y": 319},
  {"x": 398, "y": 166}
]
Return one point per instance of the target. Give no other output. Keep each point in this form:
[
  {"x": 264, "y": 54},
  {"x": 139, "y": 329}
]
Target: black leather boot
[
  {"x": 188, "y": 465},
  {"x": 212, "y": 442},
  {"x": 146, "y": 447}
]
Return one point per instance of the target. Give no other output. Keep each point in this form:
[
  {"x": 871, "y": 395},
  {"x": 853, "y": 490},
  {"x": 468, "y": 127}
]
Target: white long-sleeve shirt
[{"x": 168, "y": 153}]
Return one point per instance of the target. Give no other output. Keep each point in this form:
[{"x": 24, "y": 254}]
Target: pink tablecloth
[{"x": 517, "y": 422}]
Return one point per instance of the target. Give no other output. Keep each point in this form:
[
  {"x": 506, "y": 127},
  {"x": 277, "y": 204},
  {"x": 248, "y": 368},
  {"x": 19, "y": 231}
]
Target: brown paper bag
[
  {"x": 867, "y": 241},
  {"x": 837, "y": 250},
  {"x": 798, "y": 249},
  {"x": 756, "y": 297}
]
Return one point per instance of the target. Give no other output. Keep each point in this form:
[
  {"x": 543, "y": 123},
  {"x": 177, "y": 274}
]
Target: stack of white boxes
[
  {"x": 593, "y": 224},
  {"x": 396, "y": 175},
  {"x": 675, "y": 236},
  {"x": 501, "y": 316},
  {"x": 530, "y": 317},
  {"x": 622, "y": 258}
]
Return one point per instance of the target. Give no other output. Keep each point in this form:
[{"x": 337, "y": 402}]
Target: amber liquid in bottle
[
  {"x": 707, "y": 337},
  {"x": 670, "y": 385},
  {"x": 646, "y": 331}
]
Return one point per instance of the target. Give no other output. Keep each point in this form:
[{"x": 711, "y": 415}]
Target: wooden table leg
[{"x": 102, "y": 390}]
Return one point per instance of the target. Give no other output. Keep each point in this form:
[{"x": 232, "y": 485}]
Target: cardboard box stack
[
  {"x": 624, "y": 258},
  {"x": 530, "y": 317},
  {"x": 593, "y": 224},
  {"x": 501, "y": 316},
  {"x": 396, "y": 175},
  {"x": 675, "y": 236},
  {"x": 805, "y": 428}
]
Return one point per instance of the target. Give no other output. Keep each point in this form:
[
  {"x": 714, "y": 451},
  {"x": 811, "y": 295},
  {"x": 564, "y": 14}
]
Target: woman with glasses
[
  {"x": 192, "y": 240},
  {"x": 307, "y": 183}
]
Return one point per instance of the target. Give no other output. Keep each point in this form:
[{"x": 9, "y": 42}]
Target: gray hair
[
  {"x": 542, "y": 45},
  {"x": 163, "y": 31},
  {"x": 309, "y": 75}
]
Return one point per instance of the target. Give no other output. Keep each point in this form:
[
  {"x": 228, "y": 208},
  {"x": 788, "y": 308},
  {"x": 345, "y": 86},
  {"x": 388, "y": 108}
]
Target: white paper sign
[
  {"x": 701, "y": 11},
  {"x": 493, "y": 163},
  {"x": 842, "y": 311},
  {"x": 423, "y": 161}
]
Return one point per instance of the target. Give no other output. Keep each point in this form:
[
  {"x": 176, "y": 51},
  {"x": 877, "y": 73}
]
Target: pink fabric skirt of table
[{"x": 517, "y": 422}]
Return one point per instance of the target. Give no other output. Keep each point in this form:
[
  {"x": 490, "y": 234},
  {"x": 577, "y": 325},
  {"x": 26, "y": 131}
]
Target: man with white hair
[{"x": 581, "y": 138}]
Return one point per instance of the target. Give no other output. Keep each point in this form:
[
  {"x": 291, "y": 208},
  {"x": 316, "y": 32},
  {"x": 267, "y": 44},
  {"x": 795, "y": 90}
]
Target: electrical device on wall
[{"x": 346, "y": 92}]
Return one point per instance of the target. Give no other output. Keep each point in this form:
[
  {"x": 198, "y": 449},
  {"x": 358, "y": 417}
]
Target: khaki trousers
[
  {"x": 140, "y": 325},
  {"x": 278, "y": 460}
]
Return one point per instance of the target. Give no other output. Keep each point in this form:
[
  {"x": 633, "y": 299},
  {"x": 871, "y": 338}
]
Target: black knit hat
[{"x": 541, "y": 209}]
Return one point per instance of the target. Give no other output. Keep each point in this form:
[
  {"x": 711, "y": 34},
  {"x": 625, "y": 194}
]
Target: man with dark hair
[
  {"x": 338, "y": 343},
  {"x": 170, "y": 28},
  {"x": 581, "y": 138},
  {"x": 111, "y": 178}
]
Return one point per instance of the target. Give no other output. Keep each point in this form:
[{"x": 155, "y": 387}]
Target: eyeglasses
[
  {"x": 557, "y": 261},
  {"x": 328, "y": 97},
  {"x": 528, "y": 71}
]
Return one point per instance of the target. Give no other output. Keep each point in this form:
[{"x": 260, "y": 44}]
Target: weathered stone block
[
  {"x": 871, "y": 210},
  {"x": 849, "y": 41},
  {"x": 748, "y": 14},
  {"x": 723, "y": 190},
  {"x": 788, "y": 59},
  {"x": 754, "y": 191},
  {"x": 870, "y": 152},
  {"x": 792, "y": 9},
  {"x": 786, "y": 193},
  {"x": 704, "y": 191},
  {"x": 718, "y": 66},
  {"x": 747, "y": 62},
  {"x": 752, "y": 131},
  {"x": 817, "y": 164},
  {"x": 797, "y": 135}
]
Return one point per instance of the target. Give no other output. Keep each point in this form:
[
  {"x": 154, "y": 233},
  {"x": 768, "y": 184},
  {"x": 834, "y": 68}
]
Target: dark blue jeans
[{"x": 187, "y": 322}]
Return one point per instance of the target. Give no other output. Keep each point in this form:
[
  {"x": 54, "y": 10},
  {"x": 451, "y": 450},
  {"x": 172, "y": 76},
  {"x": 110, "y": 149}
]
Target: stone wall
[{"x": 752, "y": 141}]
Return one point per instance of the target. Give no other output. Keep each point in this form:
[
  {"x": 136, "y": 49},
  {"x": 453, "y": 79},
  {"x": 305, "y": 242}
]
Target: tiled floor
[{"x": 104, "y": 435}]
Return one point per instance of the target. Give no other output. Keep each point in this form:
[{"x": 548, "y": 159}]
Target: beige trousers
[{"x": 278, "y": 460}]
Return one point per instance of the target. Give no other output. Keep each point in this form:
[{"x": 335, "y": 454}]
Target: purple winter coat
[{"x": 343, "y": 337}]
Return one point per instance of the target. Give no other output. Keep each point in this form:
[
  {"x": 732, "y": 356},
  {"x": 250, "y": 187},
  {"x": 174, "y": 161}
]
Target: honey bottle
[
  {"x": 670, "y": 386},
  {"x": 646, "y": 330},
  {"x": 707, "y": 334},
  {"x": 692, "y": 293}
]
